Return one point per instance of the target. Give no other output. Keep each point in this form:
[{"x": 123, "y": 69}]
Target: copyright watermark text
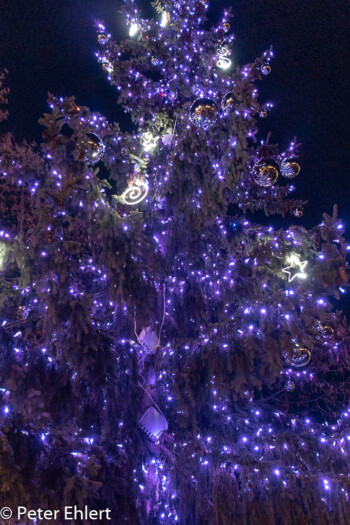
[{"x": 67, "y": 513}]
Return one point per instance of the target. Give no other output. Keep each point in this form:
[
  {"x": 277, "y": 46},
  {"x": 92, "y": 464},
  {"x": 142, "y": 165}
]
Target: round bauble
[
  {"x": 265, "y": 69},
  {"x": 265, "y": 172},
  {"x": 155, "y": 61},
  {"x": 290, "y": 386},
  {"x": 226, "y": 27},
  {"x": 107, "y": 67},
  {"x": 196, "y": 90},
  {"x": 326, "y": 329},
  {"x": 263, "y": 113},
  {"x": 289, "y": 168},
  {"x": 172, "y": 95},
  {"x": 228, "y": 101},
  {"x": 203, "y": 113},
  {"x": 102, "y": 38},
  {"x": 300, "y": 357},
  {"x": 92, "y": 148},
  {"x": 22, "y": 313},
  {"x": 298, "y": 212}
]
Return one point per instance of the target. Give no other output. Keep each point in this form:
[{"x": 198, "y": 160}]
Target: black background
[{"x": 49, "y": 46}]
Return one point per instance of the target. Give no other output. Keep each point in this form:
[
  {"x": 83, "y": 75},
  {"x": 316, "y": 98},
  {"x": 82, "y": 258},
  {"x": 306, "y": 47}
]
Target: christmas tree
[{"x": 165, "y": 358}]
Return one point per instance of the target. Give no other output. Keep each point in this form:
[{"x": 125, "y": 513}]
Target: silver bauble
[
  {"x": 265, "y": 69},
  {"x": 203, "y": 113},
  {"x": 92, "y": 148},
  {"x": 103, "y": 38},
  {"x": 290, "y": 168},
  {"x": 290, "y": 386},
  {"x": 300, "y": 357},
  {"x": 265, "y": 172},
  {"x": 298, "y": 212},
  {"x": 228, "y": 101}
]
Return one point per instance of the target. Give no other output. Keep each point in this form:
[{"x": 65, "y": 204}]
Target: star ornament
[{"x": 295, "y": 269}]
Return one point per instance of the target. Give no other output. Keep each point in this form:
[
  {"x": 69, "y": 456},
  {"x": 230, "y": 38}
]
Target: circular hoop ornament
[{"x": 203, "y": 113}]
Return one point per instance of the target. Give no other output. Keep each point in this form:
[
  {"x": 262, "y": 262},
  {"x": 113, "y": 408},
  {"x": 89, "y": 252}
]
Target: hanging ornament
[
  {"x": 203, "y": 113},
  {"x": 263, "y": 113},
  {"x": 298, "y": 212},
  {"x": 153, "y": 423},
  {"x": 295, "y": 268},
  {"x": 107, "y": 67},
  {"x": 168, "y": 137},
  {"x": 265, "y": 69},
  {"x": 300, "y": 357},
  {"x": 196, "y": 90},
  {"x": 136, "y": 192},
  {"x": 290, "y": 168},
  {"x": 223, "y": 62},
  {"x": 103, "y": 38},
  {"x": 3, "y": 255},
  {"x": 134, "y": 29},
  {"x": 92, "y": 148},
  {"x": 325, "y": 329},
  {"x": 290, "y": 386},
  {"x": 226, "y": 27},
  {"x": 148, "y": 141},
  {"x": 165, "y": 20},
  {"x": 149, "y": 339},
  {"x": 155, "y": 61},
  {"x": 265, "y": 172},
  {"x": 22, "y": 313},
  {"x": 228, "y": 101},
  {"x": 172, "y": 95}
]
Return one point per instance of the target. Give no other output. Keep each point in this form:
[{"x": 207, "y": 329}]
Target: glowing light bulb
[
  {"x": 164, "y": 19},
  {"x": 3, "y": 252},
  {"x": 134, "y": 28}
]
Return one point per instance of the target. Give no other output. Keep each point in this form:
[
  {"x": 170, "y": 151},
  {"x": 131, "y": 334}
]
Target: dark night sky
[{"x": 49, "y": 46}]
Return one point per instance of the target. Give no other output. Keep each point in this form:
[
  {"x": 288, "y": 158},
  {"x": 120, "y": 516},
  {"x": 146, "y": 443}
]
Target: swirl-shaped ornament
[
  {"x": 223, "y": 62},
  {"x": 135, "y": 193}
]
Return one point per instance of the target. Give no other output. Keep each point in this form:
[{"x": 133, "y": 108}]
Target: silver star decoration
[{"x": 295, "y": 269}]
